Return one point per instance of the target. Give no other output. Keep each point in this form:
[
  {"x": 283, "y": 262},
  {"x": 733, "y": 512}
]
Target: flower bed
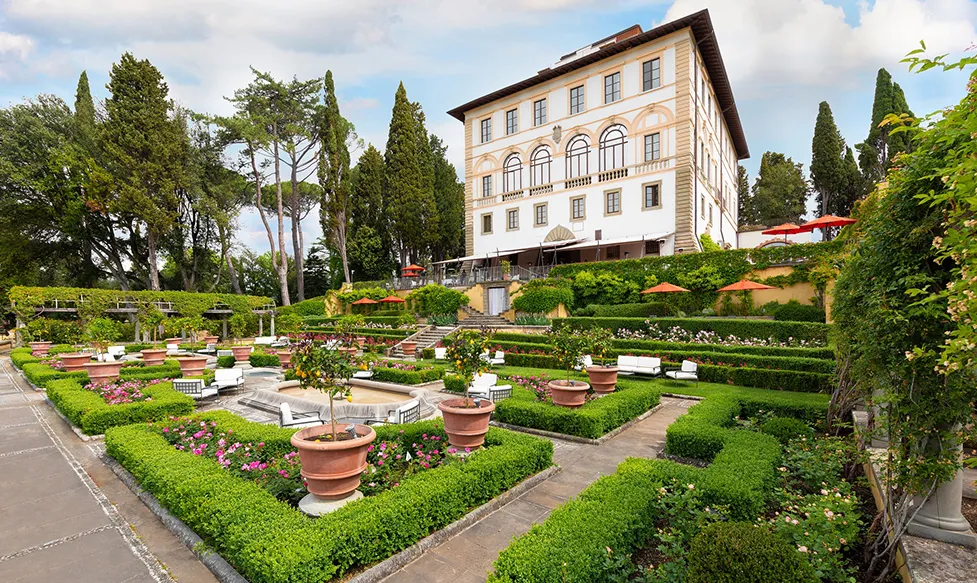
[
  {"x": 90, "y": 411},
  {"x": 268, "y": 541},
  {"x": 712, "y": 330},
  {"x": 658, "y": 502},
  {"x": 122, "y": 392}
]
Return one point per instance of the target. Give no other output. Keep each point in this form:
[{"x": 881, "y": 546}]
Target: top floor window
[
  {"x": 511, "y": 122},
  {"x": 539, "y": 112},
  {"x": 651, "y": 77},
  {"x": 576, "y": 100},
  {"x": 486, "y": 127},
  {"x": 512, "y": 173},
  {"x": 612, "y": 148},
  {"x": 612, "y": 87}
]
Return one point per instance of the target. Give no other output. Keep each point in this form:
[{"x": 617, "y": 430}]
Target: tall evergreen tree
[
  {"x": 404, "y": 181},
  {"x": 780, "y": 190},
  {"x": 875, "y": 154},
  {"x": 835, "y": 177},
  {"x": 85, "y": 113},
  {"x": 370, "y": 246},
  {"x": 334, "y": 213},
  {"x": 449, "y": 197},
  {"x": 427, "y": 204},
  {"x": 745, "y": 214}
]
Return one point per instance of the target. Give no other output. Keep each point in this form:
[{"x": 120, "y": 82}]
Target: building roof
[{"x": 703, "y": 32}]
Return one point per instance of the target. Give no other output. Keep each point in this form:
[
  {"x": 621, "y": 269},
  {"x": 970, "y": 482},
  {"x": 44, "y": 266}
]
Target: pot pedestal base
[{"x": 316, "y": 507}]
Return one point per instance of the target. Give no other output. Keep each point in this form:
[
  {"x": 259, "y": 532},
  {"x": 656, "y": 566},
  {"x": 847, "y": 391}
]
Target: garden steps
[
  {"x": 426, "y": 338},
  {"x": 478, "y": 319}
]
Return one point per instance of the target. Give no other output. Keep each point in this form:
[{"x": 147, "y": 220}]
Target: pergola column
[
  {"x": 225, "y": 326},
  {"x": 272, "y": 323},
  {"x": 261, "y": 324}
]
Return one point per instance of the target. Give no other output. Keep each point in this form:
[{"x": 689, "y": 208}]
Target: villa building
[{"x": 625, "y": 148}]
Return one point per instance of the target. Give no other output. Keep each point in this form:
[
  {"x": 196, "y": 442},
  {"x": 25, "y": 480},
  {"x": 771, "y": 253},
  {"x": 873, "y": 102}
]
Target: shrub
[
  {"x": 532, "y": 320},
  {"x": 437, "y": 299},
  {"x": 427, "y": 353},
  {"x": 442, "y": 319},
  {"x": 786, "y": 429},
  {"x": 94, "y": 416},
  {"x": 740, "y": 552},
  {"x": 407, "y": 377},
  {"x": 794, "y": 311},
  {"x": 310, "y": 307},
  {"x": 542, "y": 296},
  {"x": 260, "y": 359},
  {"x": 640, "y": 310},
  {"x": 268, "y": 541},
  {"x": 225, "y": 361},
  {"x": 454, "y": 383},
  {"x": 741, "y": 328},
  {"x": 55, "y": 330}
]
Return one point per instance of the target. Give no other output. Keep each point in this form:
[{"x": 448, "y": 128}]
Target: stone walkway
[
  {"x": 468, "y": 557},
  {"x": 65, "y": 515}
]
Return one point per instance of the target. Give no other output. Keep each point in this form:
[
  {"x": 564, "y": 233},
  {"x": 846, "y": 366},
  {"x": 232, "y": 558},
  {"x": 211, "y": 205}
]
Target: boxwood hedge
[
  {"x": 42, "y": 374},
  {"x": 618, "y": 511},
  {"x": 407, "y": 377},
  {"x": 268, "y": 541},
  {"x": 739, "y": 327},
  {"x": 93, "y": 415}
]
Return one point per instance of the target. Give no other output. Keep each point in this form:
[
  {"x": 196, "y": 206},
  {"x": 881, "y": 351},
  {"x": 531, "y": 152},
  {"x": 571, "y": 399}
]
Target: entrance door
[{"x": 498, "y": 300}]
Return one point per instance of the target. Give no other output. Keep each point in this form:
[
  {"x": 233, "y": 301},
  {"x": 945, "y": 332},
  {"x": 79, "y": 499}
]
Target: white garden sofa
[
  {"x": 688, "y": 372},
  {"x": 640, "y": 365},
  {"x": 486, "y": 387},
  {"x": 228, "y": 378}
]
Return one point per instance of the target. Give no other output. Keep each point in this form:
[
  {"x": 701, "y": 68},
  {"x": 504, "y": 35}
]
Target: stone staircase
[
  {"x": 425, "y": 337},
  {"x": 478, "y": 319}
]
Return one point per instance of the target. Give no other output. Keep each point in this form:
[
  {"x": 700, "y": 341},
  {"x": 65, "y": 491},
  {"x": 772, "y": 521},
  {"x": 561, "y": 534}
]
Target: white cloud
[{"x": 358, "y": 104}]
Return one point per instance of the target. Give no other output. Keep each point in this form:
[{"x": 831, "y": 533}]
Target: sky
[{"x": 783, "y": 57}]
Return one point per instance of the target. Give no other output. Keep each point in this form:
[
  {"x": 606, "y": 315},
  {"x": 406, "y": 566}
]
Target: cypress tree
[
  {"x": 876, "y": 152},
  {"x": 370, "y": 244},
  {"x": 404, "y": 178},
  {"x": 745, "y": 214},
  {"x": 827, "y": 160},
  {"x": 85, "y": 113},
  {"x": 449, "y": 196}
]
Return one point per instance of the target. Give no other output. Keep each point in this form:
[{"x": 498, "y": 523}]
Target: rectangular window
[
  {"x": 486, "y": 224},
  {"x": 486, "y": 186},
  {"x": 612, "y": 205},
  {"x": 702, "y": 156},
  {"x": 486, "y": 130},
  {"x": 541, "y": 212},
  {"x": 652, "y": 196},
  {"x": 512, "y": 220},
  {"x": 702, "y": 206},
  {"x": 653, "y": 248},
  {"x": 578, "y": 208},
  {"x": 576, "y": 100},
  {"x": 653, "y": 147},
  {"x": 710, "y": 214},
  {"x": 651, "y": 76},
  {"x": 539, "y": 112},
  {"x": 612, "y": 87},
  {"x": 511, "y": 122}
]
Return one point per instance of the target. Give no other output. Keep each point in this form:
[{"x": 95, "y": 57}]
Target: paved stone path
[
  {"x": 468, "y": 557},
  {"x": 64, "y": 514}
]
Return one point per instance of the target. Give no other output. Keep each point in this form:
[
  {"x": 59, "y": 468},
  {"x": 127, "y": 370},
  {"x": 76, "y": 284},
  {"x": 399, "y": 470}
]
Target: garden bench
[
  {"x": 265, "y": 340},
  {"x": 641, "y": 365},
  {"x": 116, "y": 352},
  {"x": 221, "y": 353},
  {"x": 195, "y": 388},
  {"x": 406, "y": 413},
  {"x": 288, "y": 419},
  {"x": 688, "y": 372},
  {"x": 228, "y": 378}
]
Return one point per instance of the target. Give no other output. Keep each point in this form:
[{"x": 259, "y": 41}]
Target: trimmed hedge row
[
  {"x": 741, "y": 328},
  {"x": 407, "y": 377},
  {"x": 317, "y": 320},
  {"x": 41, "y": 374},
  {"x": 592, "y": 420},
  {"x": 261, "y": 359},
  {"x": 822, "y": 353},
  {"x": 365, "y": 332},
  {"x": 88, "y": 411},
  {"x": 618, "y": 511},
  {"x": 268, "y": 541}
]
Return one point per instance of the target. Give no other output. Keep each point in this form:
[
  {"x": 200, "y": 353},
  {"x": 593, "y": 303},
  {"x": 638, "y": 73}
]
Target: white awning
[
  {"x": 499, "y": 253},
  {"x": 619, "y": 241}
]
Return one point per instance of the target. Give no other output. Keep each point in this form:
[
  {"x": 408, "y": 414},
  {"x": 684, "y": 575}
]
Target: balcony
[
  {"x": 615, "y": 174},
  {"x": 542, "y": 189},
  {"x": 514, "y": 195},
  {"x": 579, "y": 181}
]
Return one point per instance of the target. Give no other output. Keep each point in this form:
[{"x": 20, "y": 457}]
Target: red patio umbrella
[
  {"x": 744, "y": 285},
  {"x": 664, "y": 288},
  {"x": 825, "y": 222},
  {"x": 412, "y": 270},
  {"x": 392, "y": 300},
  {"x": 784, "y": 229},
  {"x": 364, "y": 301}
]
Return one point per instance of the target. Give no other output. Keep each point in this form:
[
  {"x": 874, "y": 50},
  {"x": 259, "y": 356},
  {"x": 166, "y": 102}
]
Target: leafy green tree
[
  {"x": 317, "y": 278},
  {"x": 745, "y": 214},
  {"x": 875, "y": 154},
  {"x": 334, "y": 210},
  {"x": 780, "y": 190},
  {"x": 145, "y": 149},
  {"x": 449, "y": 198}
]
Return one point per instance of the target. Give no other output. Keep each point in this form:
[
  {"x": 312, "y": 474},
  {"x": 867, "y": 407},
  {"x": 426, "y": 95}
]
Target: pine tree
[
  {"x": 827, "y": 160},
  {"x": 449, "y": 196},
  {"x": 85, "y": 114},
  {"x": 370, "y": 246},
  {"x": 780, "y": 190},
  {"x": 745, "y": 214},
  {"x": 875, "y": 154},
  {"x": 404, "y": 179},
  {"x": 334, "y": 213},
  {"x": 426, "y": 205}
]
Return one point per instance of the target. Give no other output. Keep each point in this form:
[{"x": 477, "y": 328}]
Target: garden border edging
[{"x": 81, "y": 435}]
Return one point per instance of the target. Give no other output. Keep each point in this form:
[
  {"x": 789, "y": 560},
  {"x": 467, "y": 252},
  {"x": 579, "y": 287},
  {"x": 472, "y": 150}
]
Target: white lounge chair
[
  {"x": 173, "y": 347},
  {"x": 441, "y": 353},
  {"x": 195, "y": 388},
  {"x": 288, "y": 419},
  {"x": 363, "y": 374},
  {"x": 688, "y": 372},
  {"x": 649, "y": 365},
  {"x": 627, "y": 364},
  {"x": 117, "y": 352},
  {"x": 584, "y": 362},
  {"x": 483, "y": 384},
  {"x": 264, "y": 340},
  {"x": 498, "y": 359},
  {"x": 228, "y": 378},
  {"x": 221, "y": 353},
  {"x": 409, "y": 412},
  {"x": 282, "y": 341}
]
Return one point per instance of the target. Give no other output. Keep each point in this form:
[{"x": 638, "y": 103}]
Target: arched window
[
  {"x": 512, "y": 173},
  {"x": 539, "y": 166},
  {"x": 612, "y": 148},
  {"x": 578, "y": 157}
]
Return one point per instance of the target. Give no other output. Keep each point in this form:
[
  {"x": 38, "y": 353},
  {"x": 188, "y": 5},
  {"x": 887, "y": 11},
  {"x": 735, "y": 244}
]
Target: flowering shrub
[
  {"x": 122, "y": 392},
  {"x": 679, "y": 334},
  {"x": 392, "y": 460}
]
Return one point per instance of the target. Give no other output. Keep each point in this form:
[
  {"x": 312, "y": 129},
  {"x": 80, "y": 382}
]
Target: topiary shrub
[
  {"x": 739, "y": 552},
  {"x": 794, "y": 311},
  {"x": 225, "y": 362},
  {"x": 786, "y": 429},
  {"x": 260, "y": 359},
  {"x": 427, "y": 353}
]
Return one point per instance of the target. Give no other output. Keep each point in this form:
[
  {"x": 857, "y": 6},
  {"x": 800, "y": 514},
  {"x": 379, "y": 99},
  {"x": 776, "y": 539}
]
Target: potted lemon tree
[
  {"x": 333, "y": 456},
  {"x": 603, "y": 377},
  {"x": 99, "y": 333},
  {"x": 568, "y": 345},
  {"x": 466, "y": 420}
]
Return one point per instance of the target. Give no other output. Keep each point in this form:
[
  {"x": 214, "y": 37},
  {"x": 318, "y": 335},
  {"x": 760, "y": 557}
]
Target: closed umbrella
[{"x": 665, "y": 288}]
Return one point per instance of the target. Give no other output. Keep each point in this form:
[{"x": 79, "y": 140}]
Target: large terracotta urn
[
  {"x": 153, "y": 357},
  {"x": 348, "y": 350},
  {"x": 466, "y": 426},
  {"x": 360, "y": 341},
  {"x": 40, "y": 348},
  {"x": 176, "y": 341},
  {"x": 603, "y": 378},
  {"x": 101, "y": 373},
  {"x": 332, "y": 469},
  {"x": 285, "y": 358},
  {"x": 75, "y": 362},
  {"x": 192, "y": 366},
  {"x": 241, "y": 353},
  {"x": 209, "y": 339},
  {"x": 573, "y": 394},
  {"x": 409, "y": 347}
]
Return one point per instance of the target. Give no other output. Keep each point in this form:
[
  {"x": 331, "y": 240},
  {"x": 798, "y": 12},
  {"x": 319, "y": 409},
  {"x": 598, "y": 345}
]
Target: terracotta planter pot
[
  {"x": 101, "y": 373},
  {"x": 192, "y": 366},
  {"x": 360, "y": 341},
  {"x": 174, "y": 341},
  {"x": 466, "y": 426},
  {"x": 409, "y": 347},
  {"x": 332, "y": 469},
  {"x": 564, "y": 395},
  {"x": 350, "y": 350},
  {"x": 75, "y": 362},
  {"x": 241, "y": 353},
  {"x": 40, "y": 348},
  {"x": 153, "y": 357},
  {"x": 209, "y": 339},
  {"x": 285, "y": 357},
  {"x": 603, "y": 378}
]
